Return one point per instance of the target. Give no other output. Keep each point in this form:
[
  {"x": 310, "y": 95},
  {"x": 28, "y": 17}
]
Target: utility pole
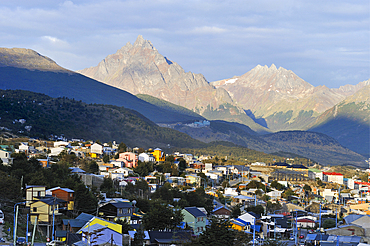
[
  {"x": 27, "y": 230},
  {"x": 254, "y": 231},
  {"x": 34, "y": 231},
  {"x": 52, "y": 232},
  {"x": 15, "y": 227}
]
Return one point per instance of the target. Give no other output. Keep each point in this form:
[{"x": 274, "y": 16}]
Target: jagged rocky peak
[{"x": 140, "y": 41}]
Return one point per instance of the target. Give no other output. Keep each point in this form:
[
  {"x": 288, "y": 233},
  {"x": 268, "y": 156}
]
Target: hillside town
[{"x": 133, "y": 196}]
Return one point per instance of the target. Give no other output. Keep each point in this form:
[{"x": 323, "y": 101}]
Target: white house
[
  {"x": 247, "y": 217},
  {"x": 231, "y": 191},
  {"x": 274, "y": 194},
  {"x": 55, "y": 151},
  {"x": 122, "y": 170},
  {"x": 145, "y": 157},
  {"x": 23, "y": 147},
  {"x": 333, "y": 177},
  {"x": 96, "y": 148},
  {"x": 5, "y": 157},
  {"x": 61, "y": 144}
]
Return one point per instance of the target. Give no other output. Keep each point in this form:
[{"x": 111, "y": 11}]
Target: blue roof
[
  {"x": 85, "y": 217},
  {"x": 352, "y": 217},
  {"x": 242, "y": 221},
  {"x": 195, "y": 212}
]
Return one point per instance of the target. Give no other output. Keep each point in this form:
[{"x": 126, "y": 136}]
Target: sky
[{"x": 323, "y": 42}]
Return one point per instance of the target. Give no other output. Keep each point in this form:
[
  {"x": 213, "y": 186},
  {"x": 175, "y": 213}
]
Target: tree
[
  {"x": 161, "y": 217},
  {"x": 139, "y": 237},
  {"x": 272, "y": 207},
  {"x": 235, "y": 211},
  {"x": 143, "y": 168},
  {"x": 277, "y": 185},
  {"x": 307, "y": 188},
  {"x": 182, "y": 165},
  {"x": 256, "y": 209},
  {"x": 218, "y": 233},
  {"x": 108, "y": 187},
  {"x": 328, "y": 223},
  {"x": 288, "y": 193},
  {"x": 122, "y": 148},
  {"x": 125, "y": 226},
  {"x": 106, "y": 158}
]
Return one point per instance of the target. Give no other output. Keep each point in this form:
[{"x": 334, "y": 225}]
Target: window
[
  {"x": 39, "y": 193},
  {"x": 34, "y": 209}
]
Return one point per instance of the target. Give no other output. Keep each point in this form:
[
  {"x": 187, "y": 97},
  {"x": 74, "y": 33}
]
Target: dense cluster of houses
[{"x": 350, "y": 197}]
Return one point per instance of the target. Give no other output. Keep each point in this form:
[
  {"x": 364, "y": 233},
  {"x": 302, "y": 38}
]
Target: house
[
  {"x": 117, "y": 211},
  {"x": 96, "y": 149},
  {"x": 98, "y": 234},
  {"x": 64, "y": 194},
  {"x": 5, "y": 157},
  {"x": 96, "y": 220},
  {"x": 61, "y": 144},
  {"x": 130, "y": 159},
  {"x": 305, "y": 223},
  {"x": 222, "y": 212},
  {"x": 33, "y": 192},
  {"x": 159, "y": 155},
  {"x": 74, "y": 225},
  {"x": 24, "y": 147},
  {"x": 56, "y": 151},
  {"x": 195, "y": 219},
  {"x": 145, "y": 157},
  {"x": 45, "y": 209},
  {"x": 239, "y": 225},
  {"x": 120, "y": 172},
  {"x": 163, "y": 238},
  {"x": 333, "y": 177},
  {"x": 275, "y": 194},
  {"x": 193, "y": 179}
]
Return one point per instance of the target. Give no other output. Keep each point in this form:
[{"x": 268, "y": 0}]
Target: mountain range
[
  {"x": 267, "y": 99},
  {"x": 27, "y": 70}
]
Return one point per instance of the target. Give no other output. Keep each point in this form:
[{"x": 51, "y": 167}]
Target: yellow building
[
  {"x": 111, "y": 225},
  {"x": 159, "y": 155},
  {"x": 238, "y": 225},
  {"x": 43, "y": 210}
]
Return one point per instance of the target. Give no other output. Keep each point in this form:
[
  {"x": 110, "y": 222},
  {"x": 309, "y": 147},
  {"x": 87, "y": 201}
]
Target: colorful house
[
  {"x": 159, "y": 155},
  {"x": 98, "y": 234},
  {"x": 117, "y": 211},
  {"x": 44, "y": 210},
  {"x": 34, "y": 192},
  {"x": 64, "y": 194},
  {"x": 239, "y": 224},
  {"x": 195, "y": 219},
  {"x": 129, "y": 159},
  {"x": 96, "y": 220}
]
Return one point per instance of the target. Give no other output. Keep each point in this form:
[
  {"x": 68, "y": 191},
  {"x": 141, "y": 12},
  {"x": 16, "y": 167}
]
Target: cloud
[
  {"x": 208, "y": 30},
  {"x": 220, "y": 39}
]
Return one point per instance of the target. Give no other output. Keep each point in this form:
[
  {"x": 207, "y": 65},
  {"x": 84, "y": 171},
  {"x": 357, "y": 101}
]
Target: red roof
[
  {"x": 306, "y": 220},
  {"x": 362, "y": 183},
  {"x": 332, "y": 173}
]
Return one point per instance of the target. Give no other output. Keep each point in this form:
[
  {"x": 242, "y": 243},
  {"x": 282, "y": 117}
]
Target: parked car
[
  {"x": 21, "y": 241},
  {"x": 2, "y": 240},
  {"x": 301, "y": 236},
  {"x": 55, "y": 243}
]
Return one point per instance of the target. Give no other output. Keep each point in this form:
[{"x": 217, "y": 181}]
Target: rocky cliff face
[
  {"x": 283, "y": 99},
  {"x": 140, "y": 69}
]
